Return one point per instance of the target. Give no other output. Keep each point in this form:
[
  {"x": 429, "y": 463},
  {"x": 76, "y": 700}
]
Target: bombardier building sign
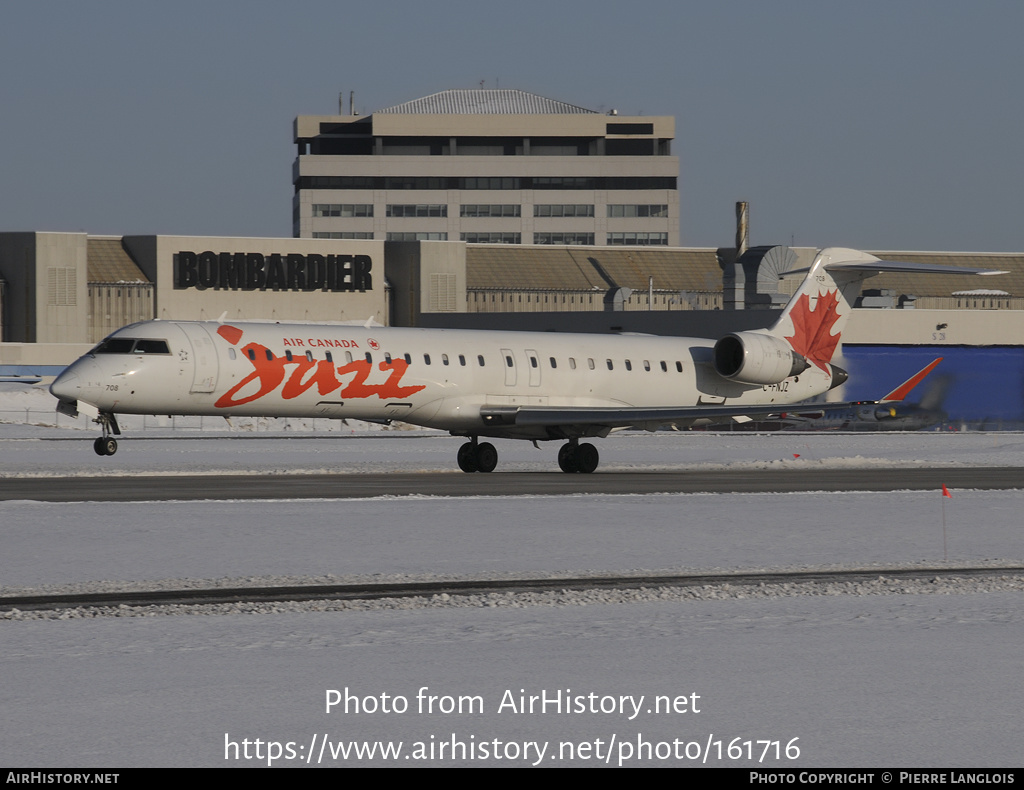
[{"x": 253, "y": 271}]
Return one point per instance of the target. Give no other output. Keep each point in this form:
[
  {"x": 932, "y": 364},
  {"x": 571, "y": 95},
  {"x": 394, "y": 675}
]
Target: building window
[
  {"x": 343, "y": 234},
  {"x": 489, "y": 182},
  {"x": 492, "y": 238},
  {"x": 560, "y": 210},
  {"x": 623, "y": 210},
  {"x": 414, "y": 182},
  {"x": 343, "y": 210},
  {"x": 564, "y": 182},
  {"x": 417, "y": 237},
  {"x": 638, "y": 239},
  {"x": 564, "y": 238},
  {"x": 490, "y": 210},
  {"x": 629, "y": 128},
  {"x": 418, "y": 210}
]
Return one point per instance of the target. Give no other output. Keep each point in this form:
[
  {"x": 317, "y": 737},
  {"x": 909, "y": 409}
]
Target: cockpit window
[
  {"x": 129, "y": 345},
  {"x": 115, "y": 345},
  {"x": 151, "y": 347}
]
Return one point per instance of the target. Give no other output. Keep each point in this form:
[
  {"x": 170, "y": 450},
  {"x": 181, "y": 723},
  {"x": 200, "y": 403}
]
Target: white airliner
[{"x": 515, "y": 385}]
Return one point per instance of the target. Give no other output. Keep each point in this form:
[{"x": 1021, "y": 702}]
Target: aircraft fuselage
[{"x": 430, "y": 377}]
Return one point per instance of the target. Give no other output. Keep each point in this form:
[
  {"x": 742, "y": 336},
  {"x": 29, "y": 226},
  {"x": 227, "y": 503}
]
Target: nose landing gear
[{"x": 106, "y": 444}]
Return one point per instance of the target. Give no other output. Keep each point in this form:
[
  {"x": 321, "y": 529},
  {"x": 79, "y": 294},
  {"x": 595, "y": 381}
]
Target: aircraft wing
[{"x": 615, "y": 417}]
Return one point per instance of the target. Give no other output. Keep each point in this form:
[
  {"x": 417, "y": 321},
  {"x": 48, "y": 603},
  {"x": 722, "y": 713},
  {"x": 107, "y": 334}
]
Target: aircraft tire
[
  {"x": 486, "y": 457},
  {"x": 587, "y": 458},
  {"x": 467, "y": 458},
  {"x": 567, "y": 459},
  {"x": 105, "y": 445}
]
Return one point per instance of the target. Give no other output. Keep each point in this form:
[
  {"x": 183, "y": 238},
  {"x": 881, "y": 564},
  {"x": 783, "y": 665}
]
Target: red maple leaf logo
[{"x": 812, "y": 337}]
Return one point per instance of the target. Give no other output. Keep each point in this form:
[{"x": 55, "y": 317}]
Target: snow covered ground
[{"x": 885, "y": 676}]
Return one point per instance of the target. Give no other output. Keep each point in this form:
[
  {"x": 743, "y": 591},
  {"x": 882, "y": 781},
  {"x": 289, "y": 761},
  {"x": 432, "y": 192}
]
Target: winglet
[{"x": 904, "y": 389}]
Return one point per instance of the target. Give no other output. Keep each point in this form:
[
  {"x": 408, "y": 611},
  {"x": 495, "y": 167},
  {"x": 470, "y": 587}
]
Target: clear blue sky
[{"x": 877, "y": 125}]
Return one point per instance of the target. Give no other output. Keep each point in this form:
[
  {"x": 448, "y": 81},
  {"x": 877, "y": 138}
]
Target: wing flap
[{"x": 616, "y": 417}]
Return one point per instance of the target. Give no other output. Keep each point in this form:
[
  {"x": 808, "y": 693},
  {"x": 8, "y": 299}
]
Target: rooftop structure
[{"x": 487, "y": 166}]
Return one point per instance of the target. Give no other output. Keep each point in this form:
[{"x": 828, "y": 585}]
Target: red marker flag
[{"x": 945, "y": 491}]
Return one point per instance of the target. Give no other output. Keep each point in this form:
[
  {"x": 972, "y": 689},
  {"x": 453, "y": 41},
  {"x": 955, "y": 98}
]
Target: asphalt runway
[{"x": 214, "y": 486}]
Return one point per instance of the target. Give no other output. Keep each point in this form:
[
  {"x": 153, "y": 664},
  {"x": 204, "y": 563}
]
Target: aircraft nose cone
[{"x": 66, "y": 386}]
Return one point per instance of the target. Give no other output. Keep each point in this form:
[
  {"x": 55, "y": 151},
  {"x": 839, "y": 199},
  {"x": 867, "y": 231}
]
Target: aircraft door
[
  {"x": 204, "y": 358},
  {"x": 509, "y": 362}
]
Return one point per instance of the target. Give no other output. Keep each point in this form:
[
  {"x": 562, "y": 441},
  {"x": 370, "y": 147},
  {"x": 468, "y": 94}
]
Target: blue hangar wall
[{"x": 986, "y": 383}]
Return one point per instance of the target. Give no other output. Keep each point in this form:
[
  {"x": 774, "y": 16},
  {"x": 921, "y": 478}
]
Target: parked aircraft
[
  {"x": 474, "y": 384},
  {"x": 890, "y": 413}
]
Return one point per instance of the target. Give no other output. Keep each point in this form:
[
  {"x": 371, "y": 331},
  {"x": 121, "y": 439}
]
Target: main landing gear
[
  {"x": 576, "y": 457},
  {"x": 477, "y": 457},
  {"x": 106, "y": 444}
]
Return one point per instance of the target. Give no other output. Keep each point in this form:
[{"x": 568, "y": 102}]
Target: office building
[{"x": 487, "y": 166}]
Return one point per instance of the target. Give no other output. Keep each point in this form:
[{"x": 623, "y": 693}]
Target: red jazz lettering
[{"x": 270, "y": 371}]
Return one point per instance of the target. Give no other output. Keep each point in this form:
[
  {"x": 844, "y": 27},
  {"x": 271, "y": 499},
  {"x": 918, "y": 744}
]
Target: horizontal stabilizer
[
  {"x": 904, "y": 389},
  {"x": 905, "y": 267}
]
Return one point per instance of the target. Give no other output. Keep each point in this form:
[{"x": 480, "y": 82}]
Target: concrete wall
[
  {"x": 47, "y": 296},
  {"x": 425, "y": 276},
  {"x": 17, "y": 267},
  {"x": 46, "y": 359},
  {"x": 160, "y": 256}
]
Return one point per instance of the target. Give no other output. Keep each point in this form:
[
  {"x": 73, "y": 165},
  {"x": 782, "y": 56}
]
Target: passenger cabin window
[
  {"x": 387, "y": 357},
  {"x": 408, "y": 358},
  {"x": 288, "y": 355},
  {"x": 590, "y": 362},
  {"x": 610, "y": 366},
  {"x": 629, "y": 365},
  {"x": 444, "y": 359},
  {"x": 329, "y": 357},
  {"x": 572, "y": 363},
  {"x": 480, "y": 359},
  {"x": 270, "y": 355},
  {"x": 553, "y": 363},
  {"x": 231, "y": 352},
  {"x": 369, "y": 357},
  {"x": 664, "y": 367},
  {"x": 348, "y": 356},
  {"x": 462, "y": 360},
  {"x": 252, "y": 354},
  {"x": 309, "y": 356},
  {"x": 679, "y": 366},
  {"x": 647, "y": 365},
  {"x": 426, "y": 359}
]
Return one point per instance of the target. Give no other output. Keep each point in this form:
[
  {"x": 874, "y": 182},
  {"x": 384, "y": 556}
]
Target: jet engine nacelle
[{"x": 755, "y": 358}]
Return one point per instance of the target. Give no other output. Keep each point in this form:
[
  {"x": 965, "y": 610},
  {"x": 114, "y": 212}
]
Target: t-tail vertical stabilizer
[
  {"x": 814, "y": 319},
  {"x": 809, "y": 331}
]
